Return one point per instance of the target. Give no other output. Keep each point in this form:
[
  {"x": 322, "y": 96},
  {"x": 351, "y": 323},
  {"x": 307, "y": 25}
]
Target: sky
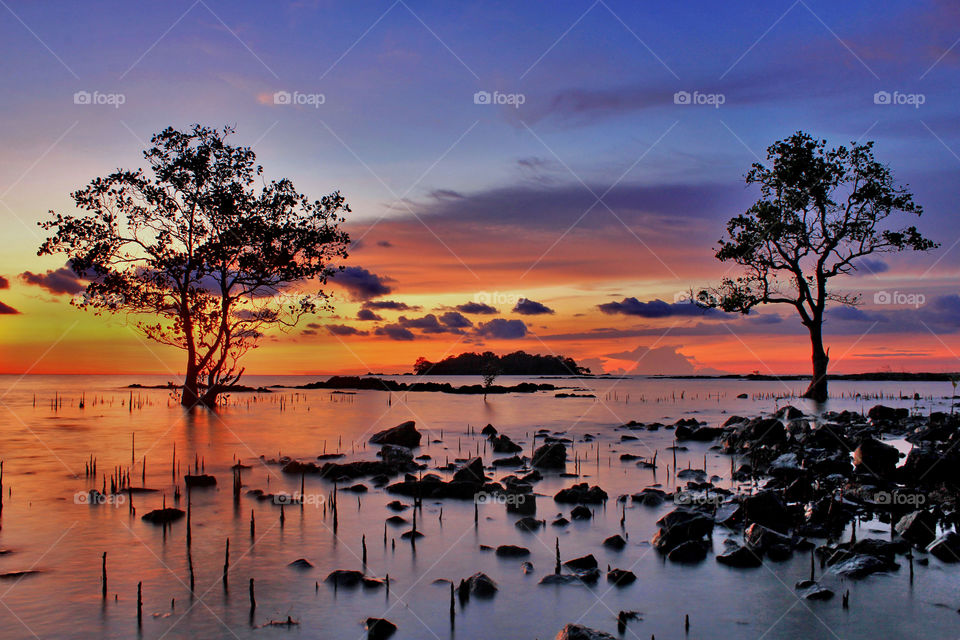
[{"x": 545, "y": 176}]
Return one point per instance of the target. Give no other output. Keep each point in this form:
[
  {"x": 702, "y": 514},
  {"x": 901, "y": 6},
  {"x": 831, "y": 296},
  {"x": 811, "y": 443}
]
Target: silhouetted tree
[
  {"x": 203, "y": 259},
  {"x": 820, "y": 211}
]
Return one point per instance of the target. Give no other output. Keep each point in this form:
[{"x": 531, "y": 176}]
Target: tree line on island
[{"x": 204, "y": 260}]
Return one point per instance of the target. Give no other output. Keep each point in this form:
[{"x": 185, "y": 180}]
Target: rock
[
  {"x": 357, "y": 488},
  {"x": 621, "y": 577},
  {"x": 164, "y": 516},
  {"x": 561, "y": 578},
  {"x": 527, "y": 567},
  {"x": 301, "y": 563},
  {"x": 615, "y": 542},
  {"x": 395, "y": 454},
  {"x": 689, "y": 552},
  {"x": 742, "y": 396},
  {"x": 344, "y": 578},
  {"x": 697, "y": 475},
  {"x": 788, "y": 412},
  {"x": 763, "y": 538},
  {"x": 681, "y": 525},
  {"x": 582, "y": 563},
  {"x": 580, "y": 632},
  {"x": 581, "y": 493},
  {"x": 379, "y": 628},
  {"x": 881, "y": 413},
  {"x": 199, "y": 481},
  {"x": 946, "y": 548},
  {"x": 552, "y": 455},
  {"x": 503, "y": 444},
  {"x": 650, "y": 497},
  {"x": 512, "y": 461},
  {"x": 917, "y": 527},
  {"x": 767, "y": 509},
  {"x": 813, "y": 591},
  {"x": 488, "y": 431},
  {"x": 875, "y": 457},
  {"x": 512, "y": 551},
  {"x": 481, "y": 585},
  {"x": 741, "y": 557},
  {"x": 396, "y": 505},
  {"x": 405, "y": 435},
  {"x": 529, "y": 524},
  {"x": 560, "y": 522},
  {"x": 471, "y": 471},
  {"x": 861, "y": 565},
  {"x": 580, "y": 512}
]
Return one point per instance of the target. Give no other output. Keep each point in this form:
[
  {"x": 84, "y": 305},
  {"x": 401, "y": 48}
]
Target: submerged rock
[
  {"x": 581, "y": 493},
  {"x": 379, "y": 628},
  {"x": 552, "y": 455},
  {"x": 580, "y": 632},
  {"x": 164, "y": 516},
  {"x": 615, "y": 542},
  {"x": 344, "y": 578},
  {"x": 301, "y": 563},
  {"x": 404, "y": 434},
  {"x": 946, "y": 548},
  {"x": 621, "y": 577},
  {"x": 741, "y": 557},
  {"x": 512, "y": 551},
  {"x": 917, "y": 527}
]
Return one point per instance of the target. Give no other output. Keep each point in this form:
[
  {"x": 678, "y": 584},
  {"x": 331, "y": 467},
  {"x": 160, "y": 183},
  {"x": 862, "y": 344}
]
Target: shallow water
[{"x": 44, "y": 451}]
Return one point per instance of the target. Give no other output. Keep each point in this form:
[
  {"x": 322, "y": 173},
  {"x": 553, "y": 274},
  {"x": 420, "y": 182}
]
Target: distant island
[{"x": 518, "y": 363}]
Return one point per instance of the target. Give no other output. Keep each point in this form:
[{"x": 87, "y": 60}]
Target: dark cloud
[
  {"x": 395, "y": 332},
  {"x": 870, "y": 266},
  {"x": 431, "y": 324},
  {"x": 663, "y": 360},
  {"x": 392, "y": 305},
  {"x": 362, "y": 284},
  {"x": 4, "y": 283},
  {"x": 57, "y": 281},
  {"x": 445, "y": 194},
  {"x": 345, "y": 330},
  {"x": 384, "y": 243},
  {"x": 7, "y": 310},
  {"x": 455, "y": 320},
  {"x": 527, "y": 307},
  {"x": 476, "y": 308},
  {"x": 367, "y": 314},
  {"x": 502, "y": 328},
  {"x": 655, "y": 308}
]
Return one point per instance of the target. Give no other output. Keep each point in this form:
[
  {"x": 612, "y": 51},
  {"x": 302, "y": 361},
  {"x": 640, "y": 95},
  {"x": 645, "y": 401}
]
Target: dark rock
[
  {"x": 552, "y": 455},
  {"x": 883, "y": 413},
  {"x": 405, "y": 435},
  {"x": 488, "y": 431},
  {"x": 689, "y": 552},
  {"x": 301, "y": 563},
  {"x": 860, "y": 566},
  {"x": 164, "y": 516},
  {"x": 580, "y": 512},
  {"x": 763, "y": 538},
  {"x": 650, "y": 497},
  {"x": 580, "y": 632},
  {"x": 615, "y": 542},
  {"x": 344, "y": 578},
  {"x": 946, "y": 548},
  {"x": 512, "y": 551},
  {"x": 379, "y": 628},
  {"x": 581, "y": 493},
  {"x": 529, "y": 524},
  {"x": 621, "y": 577},
  {"x": 741, "y": 557},
  {"x": 917, "y": 527},
  {"x": 681, "y": 525},
  {"x": 767, "y": 509},
  {"x": 481, "y": 585},
  {"x": 875, "y": 457},
  {"x": 503, "y": 444},
  {"x": 512, "y": 461},
  {"x": 199, "y": 481},
  {"x": 471, "y": 471},
  {"x": 582, "y": 563},
  {"x": 814, "y": 591},
  {"x": 396, "y": 505}
]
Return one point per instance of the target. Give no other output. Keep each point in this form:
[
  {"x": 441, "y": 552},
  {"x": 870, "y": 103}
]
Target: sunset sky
[{"x": 572, "y": 223}]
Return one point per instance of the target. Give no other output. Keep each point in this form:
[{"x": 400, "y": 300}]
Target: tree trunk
[
  {"x": 209, "y": 397},
  {"x": 190, "y": 395},
  {"x": 817, "y": 390}
]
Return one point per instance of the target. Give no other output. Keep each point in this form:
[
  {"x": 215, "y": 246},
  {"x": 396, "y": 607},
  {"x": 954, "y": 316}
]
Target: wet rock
[
  {"x": 917, "y": 527},
  {"x": 199, "y": 481},
  {"x": 696, "y": 475},
  {"x": 767, "y": 509},
  {"x": 503, "y": 444},
  {"x": 689, "y": 552},
  {"x": 479, "y": 585},
  {"x": 562, "y": 578},
  {"x": 527, "y": 567},
  {"x": 404, "y": 434},
  {"x": 164, "y": 516},
  {"x": 679, "y": 526},
  {"x": 379, "y": 628},
  {"x": 357, "y": 488},
  {"x": 521, "y": 503},
  {"x": 471, "y": 471},
  {"x": 763, "y": 538},
  {"x": 396, "y": 455},
  {"x": 529, "y": 524},
  {"x": 560, "y": 522},
  {"x": 741, "y": 557},
  {"x": 788, "y": 412},
  {"x": 301, "y": 563},
  {"x": 814, "y": 591},
  {"x": 488, "y": 431},
  {"x": 552, "y": 455},
  {"x": 396, "y": 520},
  {"x": 512, "y": 461},
  {"x": 861, "y": 565},
  {"x": 344, "y": 578},
  {"x": 882, "y": 413},
  {"x": 875, "y": 457},
  {"x": 621, "y": 577},
  {"x": 946, "y": 548},
  {"x": 650, "y": 497},
  {"x": 396, "y": 505},
  {"x": 580, "y": 632},
  {"x": 581, "y": 493},
  {"x": 582, "y": 563},
  {"x": 615, "y": 542},
  {"x": 512, "y": 551},
  {"x": 580, "y": 512}
]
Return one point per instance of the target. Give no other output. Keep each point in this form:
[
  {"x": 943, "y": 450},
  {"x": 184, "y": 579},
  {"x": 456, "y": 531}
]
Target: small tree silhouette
[{"x": 820, "y": 211}]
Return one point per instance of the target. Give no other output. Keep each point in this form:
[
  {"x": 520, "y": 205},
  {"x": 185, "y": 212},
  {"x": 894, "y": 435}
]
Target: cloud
[
  {"x": 654, "y": 309},
  {"x": 367, "y": 314},
  {"x": 476, "y": 308},
  {"x": 451, "y": 322},
  {"x": 455, "y": 320},
  {"x": 57, "y": 281},
  {"x": 345, "y": 330},
  {"x": 4, "y": 283},
  {"x": 395, "y": 332},
  {"x": 526, "y": 307},
  {"x": 664, "y": 360},
  {"x": 869, "y": 267},
  {"x": 362, "y": 284},
  {"x": 392, "y": 305},
  {"x": 502, "y": 328},
  {"x": 384, "y": 243},
  {"x": 7, "y": 310}
]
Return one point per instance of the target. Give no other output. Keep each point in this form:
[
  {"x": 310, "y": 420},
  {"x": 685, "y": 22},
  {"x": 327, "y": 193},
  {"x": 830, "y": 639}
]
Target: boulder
[
  {"x": 379, "y": 628},
  {"x": 946, "y": 548},
  {"x": 512, "y": 551},
  {"x": 479, "y": 585},
  {"x": 581, "y": 493},
  {"x": 814, "y": 591},
  {"x": 741, "y": 557},
  {"x": 615, "y": 542},
  {"x": 488, "y": 431},
  {"x": 875, "y": 457},
  {"x": 405, "y": 435},
  {"x": 763, "y": 538},
  {"x": 918, "y": 528},
  {"x": 552, "y": 455},
  {"x": 862, "y": 565},
  {"x": 503, "y": 444},
  {"x": 471, "y": 471},
  {"x": 681, "y": 525},
  {"x": 164, "y": 516},
  {"x": 621, "y": 577},
  {"x": 529, "y": 524},
  {"x": 580, "y": 632},
  {"x": 580, "y": 512},
  {"x": 881, "y": 413},
  {"x": 344, "y": 578},
  {"x": 582, "y": 563},
  {"x": 767, "y": 509},
  {"x": 689, "y": 552}
]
